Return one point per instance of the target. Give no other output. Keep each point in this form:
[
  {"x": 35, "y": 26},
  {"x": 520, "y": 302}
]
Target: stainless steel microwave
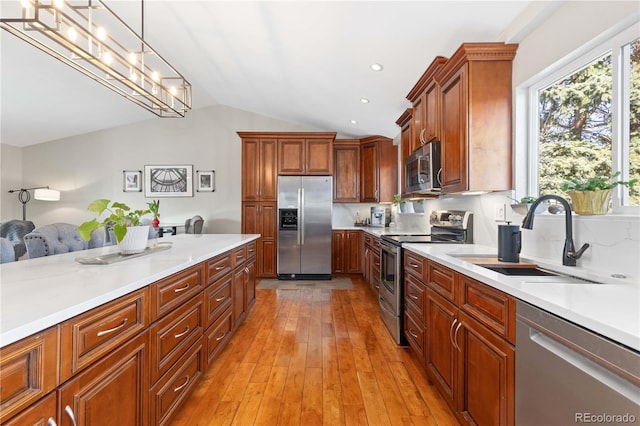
[{"x": 422, "y": 169}]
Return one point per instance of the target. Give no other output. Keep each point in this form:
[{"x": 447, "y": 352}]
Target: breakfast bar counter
[{"x": 38, "y": 293}]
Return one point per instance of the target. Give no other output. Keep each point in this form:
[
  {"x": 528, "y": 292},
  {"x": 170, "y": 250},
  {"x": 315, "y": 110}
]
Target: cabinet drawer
[
  {"x": 218, "y": 334},
  {"x": 239, "y": 255},
  {"x": 28, "y": 371},
  {"x": 414, "y": 291},
  {"x": 37, "y": 414},
  {"x": 89, "y": 336},
  {"x": 414, "y": 332},
  {"x": 217, "y": 299},
  {"x": 218, "y": 267},
  {"x": 367, "y": 239},
  {"x": 173, "y": 291},
  {"x": 491, "y": 307},
  {"x": 251, "y": 249},
  {"x": 174, "y": 334},
  {"x": 413, "y": 264},
  {"x": 442, "y": 280},
  {"x": 375, "y": 244},
  {"x": 166, "y": 396}
]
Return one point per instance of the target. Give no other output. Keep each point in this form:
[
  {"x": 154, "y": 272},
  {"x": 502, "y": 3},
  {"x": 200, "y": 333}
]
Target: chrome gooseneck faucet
[{"x": 569, "y": 255}]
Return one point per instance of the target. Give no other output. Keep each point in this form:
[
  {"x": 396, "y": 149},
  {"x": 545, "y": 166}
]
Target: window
[{"x": 586, "y": 121}]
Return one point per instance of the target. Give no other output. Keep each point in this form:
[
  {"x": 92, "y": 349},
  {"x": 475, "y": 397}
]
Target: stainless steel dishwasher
[{"x": 567, "y": 375}]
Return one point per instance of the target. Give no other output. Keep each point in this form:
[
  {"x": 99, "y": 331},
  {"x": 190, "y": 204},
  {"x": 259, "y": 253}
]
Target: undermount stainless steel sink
[{"x": 528, "y": 272}]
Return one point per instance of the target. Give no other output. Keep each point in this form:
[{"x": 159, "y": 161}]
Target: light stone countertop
[
  {"x": 611, "y": 309},
  {"x": 38, "y": 293}
]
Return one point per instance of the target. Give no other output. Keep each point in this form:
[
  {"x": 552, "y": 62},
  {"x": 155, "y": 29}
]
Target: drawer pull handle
[
  {"x": 413, "y": 297},
  {"x": 186, "y": 382},
  {"x": 220, "y": 299},
  {"x": 51, "y": 422},
  {"x": 111, "y": 330},
  {"x": 415, "y": 336},
  {"x": 69, "y": 412},
  {"x": 186, "y": 330},
  {"x": 377, "y": 287},
  {"x": 413, "y": 265},
  {"x": 221, "y": 337},
  {"x": 219, "y": 268},
  {"x": 181, "y": 289},
  {"x": 250, "y": 250}
]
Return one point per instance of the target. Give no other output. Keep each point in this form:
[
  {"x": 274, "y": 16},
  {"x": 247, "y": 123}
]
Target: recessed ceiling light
[
  {"x": 354, "y": 122},
  {"x": 376, "y": 67},
  {"x": 364, "y": 100}
]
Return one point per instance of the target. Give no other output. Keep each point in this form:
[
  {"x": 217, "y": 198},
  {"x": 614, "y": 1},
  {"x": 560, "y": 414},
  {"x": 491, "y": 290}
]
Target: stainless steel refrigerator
[{"x": 304, "y": 227}]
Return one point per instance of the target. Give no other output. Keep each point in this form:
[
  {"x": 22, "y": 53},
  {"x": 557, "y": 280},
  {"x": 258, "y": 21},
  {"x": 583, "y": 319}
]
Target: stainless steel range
[{"x": 448, "y": 227}]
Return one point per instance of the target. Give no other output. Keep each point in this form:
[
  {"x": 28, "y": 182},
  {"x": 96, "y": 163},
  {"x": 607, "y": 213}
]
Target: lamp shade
[{"x": 46, "y": 194}]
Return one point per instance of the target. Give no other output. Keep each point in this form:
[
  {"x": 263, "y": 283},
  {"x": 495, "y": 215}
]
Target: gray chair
[
  {"x": 58, "y": 238},
  {"x": 194, "y": 225},
  {"x": 14, "y": 231},
  {"x": 7, "y": 253}
]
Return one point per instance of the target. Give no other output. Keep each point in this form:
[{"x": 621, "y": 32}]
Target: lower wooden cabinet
[
  {"x": 40, "y": 413},
  {"x": 371, "y": 264},
  {"x": 347, "y": 251},
  {"x": 441, "y": 356},
  {"x": 112, "y": 391}
]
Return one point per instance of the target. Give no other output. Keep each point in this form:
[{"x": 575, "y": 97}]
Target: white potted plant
[{"x": 125, "y": 222}]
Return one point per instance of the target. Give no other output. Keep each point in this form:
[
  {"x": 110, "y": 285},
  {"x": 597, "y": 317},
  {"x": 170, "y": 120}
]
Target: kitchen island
[{"x": 145, "y": 329}]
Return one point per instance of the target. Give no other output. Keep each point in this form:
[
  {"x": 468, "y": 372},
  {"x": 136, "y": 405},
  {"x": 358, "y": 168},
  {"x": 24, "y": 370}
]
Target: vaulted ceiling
[{"x": 302, "y": 62}]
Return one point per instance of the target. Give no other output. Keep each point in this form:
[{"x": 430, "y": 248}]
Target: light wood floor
[{"x": 312, "y": 357}]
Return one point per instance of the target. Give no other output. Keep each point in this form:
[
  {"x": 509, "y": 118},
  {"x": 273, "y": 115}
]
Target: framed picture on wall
[
  {"x": 132, "y": 181},
  {"x": 168, "y": 181},
  {"x": 205, "y": 180}
]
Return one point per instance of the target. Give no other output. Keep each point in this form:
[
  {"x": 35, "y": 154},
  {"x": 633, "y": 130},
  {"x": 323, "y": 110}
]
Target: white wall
[
  {"x": 11, "y": 170},
  {"x": 90, "y": 166}
]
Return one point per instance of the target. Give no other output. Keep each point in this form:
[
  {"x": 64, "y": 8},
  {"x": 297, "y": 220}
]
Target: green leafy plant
[
  {"x": 595, "y": 183},
  {"x": 154, "y": 208},
  {"x": 397, "y": 199},
  {"x": 120, "y": 217}
]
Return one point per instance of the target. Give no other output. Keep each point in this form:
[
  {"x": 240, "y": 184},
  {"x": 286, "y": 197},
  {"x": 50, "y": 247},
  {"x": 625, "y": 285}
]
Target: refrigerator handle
[
  {"x": 302, "y": 214},
  {"x": 299, "y": 214}
]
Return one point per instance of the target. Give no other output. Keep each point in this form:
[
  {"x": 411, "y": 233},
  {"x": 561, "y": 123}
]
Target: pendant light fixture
[{"x": 89, "y": 37}]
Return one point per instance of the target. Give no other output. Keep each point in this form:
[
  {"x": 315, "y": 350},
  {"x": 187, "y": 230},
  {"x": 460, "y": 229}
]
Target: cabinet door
[
  {"x": 250, "y": 284},
  {"x": 406, "y": 134},
  {"x": 486, "y": 375},
  {"x": 251, "y": 223},
  {"x": 454, "y": 133},
  {"x": 238, "y": 295},
  {"x": 337, "y": 251},
  {"x": 441, "y": 355},
  {"x": 346, "y": 176},
  {"x": 353, "y": 252},
  {"x": 41, "y": 413},
  {"x": 251, "y": 169},
  {"x": 431, "y": 116},
  {"x": 418, "y": 123},
  {"x": 268, "y": 170},
  {"x": 370, "y": 163},
  {"x": 291, "y": 156},
  {"x": 318, "y": 157},
  {"x": 112, "y": 391}
]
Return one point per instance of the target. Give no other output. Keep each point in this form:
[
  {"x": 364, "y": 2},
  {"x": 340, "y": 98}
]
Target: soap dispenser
[{"x": 509, "y": 243}]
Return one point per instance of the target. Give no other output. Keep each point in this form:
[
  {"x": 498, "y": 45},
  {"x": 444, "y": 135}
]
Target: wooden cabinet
[
  {"x": 379, "y": 169},
  {"x": 462, "y": 332},
  {"x": 40, "y": 413},
  {"x": 28, "y": 371},
  {"x": 262, "y": 218},
  {"x": 243, "y": 285},
  {"x": 475, "y": 118},
  {"x": 346, "y": 171},
  {"x": 259, "y": 169},
  {"x": 305, "y": 155},
  {"x": 114, "y": 390},
  {"x": 371, "y": 264},
  {"x": 405, "y": 121},
  {"x": 424, "y": 98},
  {"x": 347, "y": 251}
]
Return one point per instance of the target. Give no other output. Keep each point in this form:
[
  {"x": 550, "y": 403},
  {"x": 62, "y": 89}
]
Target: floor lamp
[{"x": 41, "y": 193}]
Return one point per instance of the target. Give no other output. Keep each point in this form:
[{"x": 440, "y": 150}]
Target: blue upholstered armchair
[
  {"x": 7, "y": 254},
  {"x": 14, "y": 231},
  {"x": 194, "y": 225},
  {"x": 58, "y": 238}
]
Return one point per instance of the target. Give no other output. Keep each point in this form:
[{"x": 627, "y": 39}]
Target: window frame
[{"x": 619, "y": 112}]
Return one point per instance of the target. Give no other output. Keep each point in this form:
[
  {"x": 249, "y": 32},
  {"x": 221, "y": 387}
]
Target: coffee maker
[
  {"x": 380, "y": 216},
  {"x": 509, "y": 243}
]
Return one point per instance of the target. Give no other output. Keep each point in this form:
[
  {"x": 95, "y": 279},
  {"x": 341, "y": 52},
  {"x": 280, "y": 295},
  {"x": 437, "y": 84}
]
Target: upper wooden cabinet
[
  {"x": 475, "y": 118},
  {"x": 259, "y": 169},
  {"x": 424, "y": 97},
  {"x": 305, "y": 154},
  {"x": 379, "y": 168},
  {"x": 346, "y": 171},
  {"x": 405, "y": 121}
]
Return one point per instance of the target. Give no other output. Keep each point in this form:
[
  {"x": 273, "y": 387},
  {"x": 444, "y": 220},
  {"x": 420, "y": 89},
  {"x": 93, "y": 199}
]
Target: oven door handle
[{"x": 386, "y": 306}]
